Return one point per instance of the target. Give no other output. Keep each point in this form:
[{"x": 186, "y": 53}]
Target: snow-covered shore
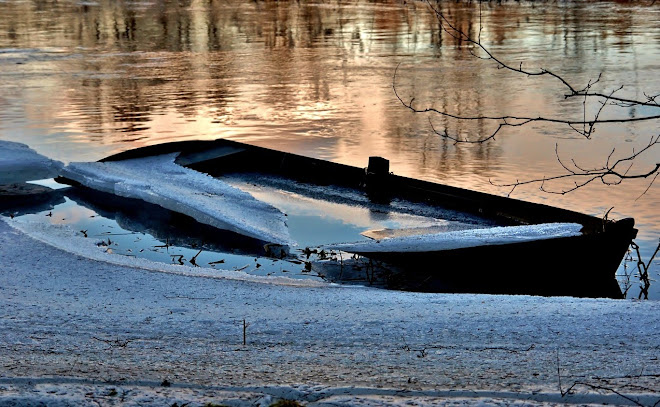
[{"x": 78, "y": 331}]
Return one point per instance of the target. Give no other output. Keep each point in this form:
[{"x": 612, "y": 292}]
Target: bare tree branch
[
  {"x": 643, "y": 270},
  {"x": 570, "y": 389},
  {"x": 585, "y": 127},
  {"x": 588, "y": 126},
  {"x": 459, "y": 34},
  {"x": 608, "y": 174},
  {"x": 611, "y": 173}
]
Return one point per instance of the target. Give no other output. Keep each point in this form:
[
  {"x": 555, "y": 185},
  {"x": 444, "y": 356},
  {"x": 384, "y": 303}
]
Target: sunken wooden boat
[{"x": 582, "y": 265}]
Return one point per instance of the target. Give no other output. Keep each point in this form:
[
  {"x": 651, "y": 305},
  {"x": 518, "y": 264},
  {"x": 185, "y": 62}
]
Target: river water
[{"x": 80, "y": 80}]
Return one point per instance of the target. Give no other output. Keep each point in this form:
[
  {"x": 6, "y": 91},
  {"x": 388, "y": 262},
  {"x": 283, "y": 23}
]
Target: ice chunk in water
[
  {"x": 19, "y": 163},
  {"x": 159, "y": 180},
  {"x": 463, "y": 238}
]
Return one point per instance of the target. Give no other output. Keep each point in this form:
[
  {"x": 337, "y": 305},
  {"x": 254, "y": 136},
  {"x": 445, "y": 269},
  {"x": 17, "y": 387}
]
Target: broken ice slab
[
  {"x": 159, "y": 180},
  {"x": 19, "y": 163},
  {"x": 460, "y": 239},
  {"x": 442, "y": 227}
]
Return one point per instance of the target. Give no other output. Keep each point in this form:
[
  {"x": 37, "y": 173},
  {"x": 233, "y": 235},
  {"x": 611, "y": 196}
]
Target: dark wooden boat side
[
  {"x": 582, "y": 266},
  {"x": 579, "y": 266}
]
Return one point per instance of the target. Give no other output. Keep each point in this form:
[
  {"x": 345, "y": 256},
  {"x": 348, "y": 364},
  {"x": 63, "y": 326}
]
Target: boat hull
[{"x": 582, "y": 266}]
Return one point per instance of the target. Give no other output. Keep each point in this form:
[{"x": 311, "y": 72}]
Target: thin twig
[
  {"x": 585, "y": 126},
  {"x": 608, "y": 174}
]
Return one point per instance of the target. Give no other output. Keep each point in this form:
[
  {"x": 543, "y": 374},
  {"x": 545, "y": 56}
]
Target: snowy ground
[{"x": 78, "y": 331}]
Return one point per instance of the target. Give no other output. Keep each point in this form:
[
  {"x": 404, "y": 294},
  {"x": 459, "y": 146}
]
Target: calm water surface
[{"x": 80, "y": 80}]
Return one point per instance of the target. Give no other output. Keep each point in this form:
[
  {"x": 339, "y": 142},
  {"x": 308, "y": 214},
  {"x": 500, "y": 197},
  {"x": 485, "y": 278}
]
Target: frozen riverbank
[{"x": 75, "y": 330}]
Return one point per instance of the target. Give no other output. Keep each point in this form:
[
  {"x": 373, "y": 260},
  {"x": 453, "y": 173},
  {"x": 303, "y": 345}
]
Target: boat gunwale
[{"x": 483, "y": 204}]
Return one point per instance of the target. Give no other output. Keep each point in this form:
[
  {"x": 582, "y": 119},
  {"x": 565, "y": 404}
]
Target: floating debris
[
  {"x": 193, "y": 260},
  {"x": 177, "y": 258}
]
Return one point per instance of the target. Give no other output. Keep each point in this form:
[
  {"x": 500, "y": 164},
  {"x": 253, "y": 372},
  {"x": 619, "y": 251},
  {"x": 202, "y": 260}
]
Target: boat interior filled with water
[{"x": 352, "y": 225}]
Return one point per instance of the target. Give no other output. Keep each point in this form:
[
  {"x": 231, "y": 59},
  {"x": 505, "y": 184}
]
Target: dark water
[{"x": 80, "y": 80}]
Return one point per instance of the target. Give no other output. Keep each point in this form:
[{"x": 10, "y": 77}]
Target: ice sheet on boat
[
  {"x": 19, "y": 163},
  {"x": 330, "y": 214},
  {"x": 463, "y": 238},
  {"x": 159, "y": 180}
]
